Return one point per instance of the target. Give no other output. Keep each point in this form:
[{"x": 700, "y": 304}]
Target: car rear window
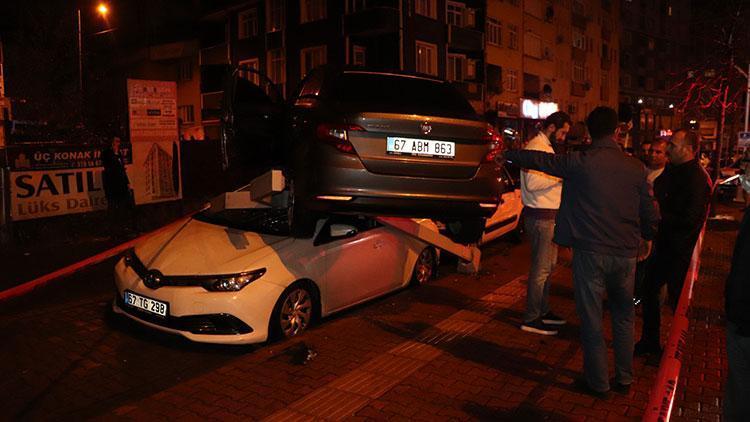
[
  {"x": 399, "y": 94},
  {"x": 268, "y": 221}
]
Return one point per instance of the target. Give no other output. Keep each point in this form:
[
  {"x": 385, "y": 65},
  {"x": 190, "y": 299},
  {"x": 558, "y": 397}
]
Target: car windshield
[
  {"x": 267, "y": 221},
  {"x": 399, "y": 94}
]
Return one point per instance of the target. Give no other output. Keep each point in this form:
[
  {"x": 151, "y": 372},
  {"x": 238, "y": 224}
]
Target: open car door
[{"x": 251, "y": 121}]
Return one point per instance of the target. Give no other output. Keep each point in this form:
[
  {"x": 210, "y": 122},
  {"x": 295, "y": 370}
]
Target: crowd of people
[{"x": 632, "y": 224}]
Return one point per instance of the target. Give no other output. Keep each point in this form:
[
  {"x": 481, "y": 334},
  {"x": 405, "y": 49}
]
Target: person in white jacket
[{"x": 540, "y": 194}]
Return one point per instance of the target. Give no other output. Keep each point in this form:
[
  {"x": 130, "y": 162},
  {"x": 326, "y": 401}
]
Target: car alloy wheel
[
  {"x": 296, "y": 312},
  {"x": 424, "y": 268}
]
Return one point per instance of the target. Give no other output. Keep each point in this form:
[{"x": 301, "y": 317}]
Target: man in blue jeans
[
  {"x": 606, "y": 207},
  {"x": 540, "y": 194}
]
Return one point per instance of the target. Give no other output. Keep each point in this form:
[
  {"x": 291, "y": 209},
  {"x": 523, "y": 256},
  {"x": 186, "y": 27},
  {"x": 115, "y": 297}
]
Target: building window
[
  {"x": 456, "y": 65},
  {"x": 274, "y": 15},
  {"x": 186, "y": 114},
  {"x": 604, "y": 91},
  {"x": 455, "y": 15},
  {"x": 427, "y": 58},
  {"x": 186, "y": 70},
  {"x": 579, "y": 73},
  {"x": 494, "y": 32},
  {"x": 579, "y": 40},
  {"x": 532, "y": 45},
  {"x": 512, "y": 83},
  {"x": 277, "y": 67},
  {"x": 312, "y": 10},
  {"x": 426, "y": 8},
  {"x": 513, "y": 37},
  {"x": 359, "y": 56},
  {"x": 312, "y": 57},
  {"x": 250, "y": 64},
  {"x": 247, "y": 24}
]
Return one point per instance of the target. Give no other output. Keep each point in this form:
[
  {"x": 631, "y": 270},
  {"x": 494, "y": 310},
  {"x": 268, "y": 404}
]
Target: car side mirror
[{"x": 342, "y": 231}]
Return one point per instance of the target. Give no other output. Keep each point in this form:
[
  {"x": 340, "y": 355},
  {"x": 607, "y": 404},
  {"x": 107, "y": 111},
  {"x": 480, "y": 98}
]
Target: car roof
[{"x": 402, "y": 75}]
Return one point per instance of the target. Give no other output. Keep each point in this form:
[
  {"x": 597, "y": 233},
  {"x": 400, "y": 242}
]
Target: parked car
[
  {"x": 507, "y": 217},
  {"x": 237, "y": 276},
  {"x": 377, "y": 143}
]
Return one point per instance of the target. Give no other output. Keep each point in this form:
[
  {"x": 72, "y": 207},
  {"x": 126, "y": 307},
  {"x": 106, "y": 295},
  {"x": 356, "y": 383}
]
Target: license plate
[
  {"x": 146, "y": 304},
  {"x": 420, "y": 147}
]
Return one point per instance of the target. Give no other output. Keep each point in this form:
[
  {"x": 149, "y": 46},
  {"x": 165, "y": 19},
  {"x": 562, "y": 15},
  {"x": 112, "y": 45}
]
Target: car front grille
[{"x": 216, "y": 324}]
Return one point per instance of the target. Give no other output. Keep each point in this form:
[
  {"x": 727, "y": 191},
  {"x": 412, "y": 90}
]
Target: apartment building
[{"x": 544, "y": 56}]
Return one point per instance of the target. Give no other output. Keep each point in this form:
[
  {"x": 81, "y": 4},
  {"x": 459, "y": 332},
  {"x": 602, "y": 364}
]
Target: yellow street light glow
[{"x": 102, "y": 9}]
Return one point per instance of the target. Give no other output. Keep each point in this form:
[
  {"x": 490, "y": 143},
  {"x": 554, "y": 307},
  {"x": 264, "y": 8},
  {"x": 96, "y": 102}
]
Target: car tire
[
  {"x": 467, "y": 231},
  {"x": 294, "y": 312},
  {"x": 301, "y": 220},
  {"x": 425, "y": 268}
]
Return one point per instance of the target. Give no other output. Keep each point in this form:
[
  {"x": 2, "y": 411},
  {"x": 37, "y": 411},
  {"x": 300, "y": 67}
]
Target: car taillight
[
  {"x": 337, "y": 135},
  {"x": 494, "y": 142}
]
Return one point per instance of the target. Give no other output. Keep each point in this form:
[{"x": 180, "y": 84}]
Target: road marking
[{"x": 346, "y": 395}]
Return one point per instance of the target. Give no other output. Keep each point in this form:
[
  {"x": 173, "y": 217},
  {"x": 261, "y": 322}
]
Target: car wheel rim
[
  {"x": 423, "y": 270},
  {"x": 296, "y": 312}
]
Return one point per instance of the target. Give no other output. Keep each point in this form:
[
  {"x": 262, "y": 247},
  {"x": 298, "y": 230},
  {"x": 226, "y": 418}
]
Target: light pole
[
  {"x": 103, "y": 11},
  {"x": 747, "y": 94}
]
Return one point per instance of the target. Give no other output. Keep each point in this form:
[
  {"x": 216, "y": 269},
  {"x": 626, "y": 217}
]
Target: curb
[{"x": 29, "y": 286}]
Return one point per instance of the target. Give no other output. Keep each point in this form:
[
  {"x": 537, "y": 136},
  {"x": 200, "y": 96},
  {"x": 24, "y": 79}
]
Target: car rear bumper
[{"x": 342, "y": 176}]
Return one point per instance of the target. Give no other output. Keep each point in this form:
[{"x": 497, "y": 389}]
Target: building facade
[{"x": 655, "y": 45}]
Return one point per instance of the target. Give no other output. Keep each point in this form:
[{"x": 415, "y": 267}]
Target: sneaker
[
  {"x": 551, "y": 319},
  {"x": 582, "y": 386},
  {"x": 643, "y": 349},
  {"x": 619, "y": 388},
  {"x": 538, "y": 327}
]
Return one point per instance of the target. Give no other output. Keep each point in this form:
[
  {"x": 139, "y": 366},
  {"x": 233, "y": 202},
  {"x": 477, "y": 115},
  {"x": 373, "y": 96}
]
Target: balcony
[
  {"x": 465, "y": 39},
  {"x": 578, "y": 89},
  {"x": 578, "y": 20},
  {"x": 471, "y": 90},
  {"x": 579, "y": 54},
  {"x": 218, "y": 54},
  {"x": 371, "y": 22}
]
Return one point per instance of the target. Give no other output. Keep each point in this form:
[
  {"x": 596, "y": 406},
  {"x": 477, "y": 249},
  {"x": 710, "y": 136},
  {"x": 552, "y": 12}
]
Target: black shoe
[
  {"x": 551, "y": 319},
  {"x": 619, "y": 388},
  {"x": 644, "y": 349},
  {"x": 538, "y": 327},
  {"x": 582, "y": 386}
]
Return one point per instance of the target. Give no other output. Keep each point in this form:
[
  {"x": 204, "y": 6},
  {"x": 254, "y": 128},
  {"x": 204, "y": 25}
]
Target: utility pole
[
  {"x": 80, "y": 53},
  {"x": 717, "y": 170}
]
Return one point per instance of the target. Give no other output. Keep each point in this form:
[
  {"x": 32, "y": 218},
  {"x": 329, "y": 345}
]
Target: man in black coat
[
  {"x": 606, "y": 208},
  {"x": 737, "y": 304},
  {"x": 683, "y": 192},
  {"x": 116, "y": 186}
]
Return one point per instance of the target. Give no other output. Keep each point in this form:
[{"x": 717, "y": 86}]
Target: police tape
[
  {"x": 27, "y": 287},
  {"x": 661, "y": 399}
]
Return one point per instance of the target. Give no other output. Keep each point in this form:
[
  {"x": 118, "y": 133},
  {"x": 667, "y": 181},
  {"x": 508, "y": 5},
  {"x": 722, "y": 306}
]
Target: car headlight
[{"x": 231, "y": 283}]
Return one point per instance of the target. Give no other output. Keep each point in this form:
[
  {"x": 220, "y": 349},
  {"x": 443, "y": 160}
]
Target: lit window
[
  {"x": 186, "y": 70},
  {"x": 513, "y": 37},
  {"x": 455, "y": 14},
  {"x": 512, "y": 83},
  {"x": 186, "y": 113},
  {"x": 277, "y": 67},
  {"x": 456, "y": 65},
  {"x": 312, "y": 10},
  {"x": 427, "y": 58},
  {"x": 247, "y": 24},
  {"x": 579, "y": 73},
  {"x": 250, "y": 64}
]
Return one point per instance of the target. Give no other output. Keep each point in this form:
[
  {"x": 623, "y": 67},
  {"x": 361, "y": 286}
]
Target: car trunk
[{"x": 418, "y": 145}]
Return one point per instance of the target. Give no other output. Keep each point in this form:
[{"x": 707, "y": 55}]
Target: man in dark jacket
[
  {"x": 683, "y": 192},
  {"x": 737, "y": 304},
  {"x": 606, "y": 208},
  {"x": 116, "y": 187}
]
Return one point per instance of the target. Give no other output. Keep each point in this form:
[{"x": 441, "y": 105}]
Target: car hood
[{"x": 198, "y": 248}]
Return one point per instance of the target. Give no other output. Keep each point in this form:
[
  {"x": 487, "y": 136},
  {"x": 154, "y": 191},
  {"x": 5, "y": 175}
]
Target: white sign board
[
  {"x": 152, "y": 110},
  {"x": 48, "y": 193}
]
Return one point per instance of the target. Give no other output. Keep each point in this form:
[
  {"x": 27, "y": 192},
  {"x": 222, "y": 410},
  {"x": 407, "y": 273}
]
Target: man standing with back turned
[
  {"x": 606, "y": 208},
  {"x": 540, "y": 194}
]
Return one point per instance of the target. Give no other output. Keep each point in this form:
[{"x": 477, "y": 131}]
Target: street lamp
[
  {"x": 640, "y": 101},
  {"x": 103, "y": 11}
]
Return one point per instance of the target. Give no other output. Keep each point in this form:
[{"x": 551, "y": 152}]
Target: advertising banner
[{"x": 155, "y": 170}]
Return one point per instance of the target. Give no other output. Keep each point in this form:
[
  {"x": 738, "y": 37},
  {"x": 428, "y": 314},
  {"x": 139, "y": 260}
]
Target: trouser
[
  {"x": 543, "y": 259},
  {"x": 669, "y": 269},
  {"x": 121, "y": 215},
  {"x": 737, "y": 387},
  {"x": 593, "y": 275}
]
